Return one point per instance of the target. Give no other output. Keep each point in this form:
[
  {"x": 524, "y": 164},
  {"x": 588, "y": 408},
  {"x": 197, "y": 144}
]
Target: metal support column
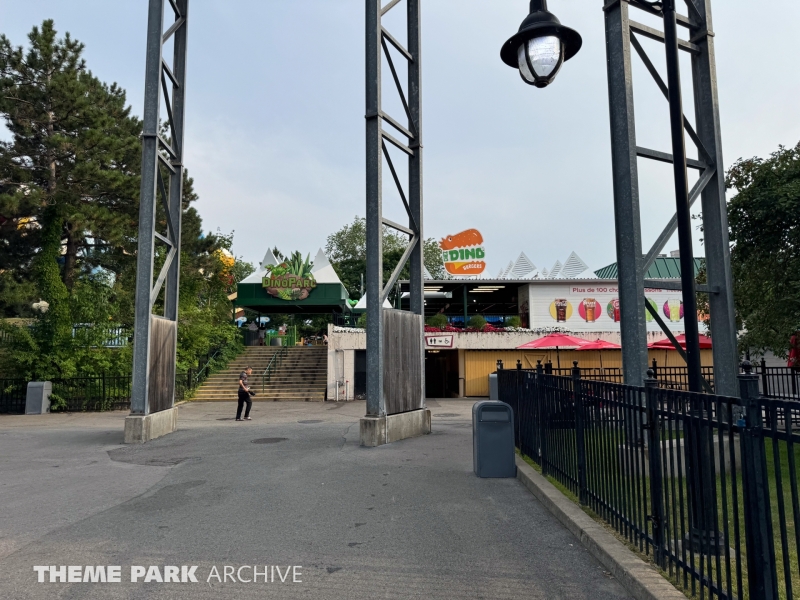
[
  {"x": 376, "y": 405},
  {"x": 715, "y": 209},
  {"x": 381, "y": 46},
  {"x": 417, "y": 265},
  {"x": 176, "y": 120},
  {"x": 683, "y": 208},
  {"x": 626, "y": 194},
  {"x": 158, "y": 156}
]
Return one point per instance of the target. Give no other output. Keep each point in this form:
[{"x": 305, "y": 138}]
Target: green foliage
[
  {"x": 764, "y": 220},
  {"x": 298, "y": 266},
  {"x": 69, "y": 195},
  {"x": 362, "y": 321},
  {"x": 476, "y": 322},
  {"x": 437, "y": 320},
  {"x": 513, "y": 321},
  {"x": 347, "y": 251}
]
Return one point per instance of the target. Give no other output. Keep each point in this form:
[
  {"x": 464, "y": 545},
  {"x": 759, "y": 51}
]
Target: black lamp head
[{"x": 541, "y": 46}]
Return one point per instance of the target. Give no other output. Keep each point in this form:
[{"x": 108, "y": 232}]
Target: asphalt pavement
[{"x": 291, "y": 488}]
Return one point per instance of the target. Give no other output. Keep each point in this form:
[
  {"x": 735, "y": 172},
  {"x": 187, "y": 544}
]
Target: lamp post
[{"x": 538, "y": 50}]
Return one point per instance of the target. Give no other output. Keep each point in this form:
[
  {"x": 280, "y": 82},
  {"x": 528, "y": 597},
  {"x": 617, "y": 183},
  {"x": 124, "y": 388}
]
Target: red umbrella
[
  {"x": 665, "y": 344},
  {"x": 599, "y": 345},
  {"x": 554, "y": 341}
]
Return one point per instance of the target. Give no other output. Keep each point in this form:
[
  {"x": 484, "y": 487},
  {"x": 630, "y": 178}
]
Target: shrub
[
  {"x": 362, "y": 321},
  {"x": 438, "y": 320},
  {"x": 513, "y": 322},
  {"x": 477, "y": 322}
]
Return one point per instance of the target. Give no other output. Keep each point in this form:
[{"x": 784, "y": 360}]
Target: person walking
[{"x": 244, "y": 395}]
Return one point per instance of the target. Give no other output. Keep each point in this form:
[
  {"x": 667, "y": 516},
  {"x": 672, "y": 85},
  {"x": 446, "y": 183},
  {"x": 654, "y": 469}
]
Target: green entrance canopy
[{"x": 276, "y": 288}]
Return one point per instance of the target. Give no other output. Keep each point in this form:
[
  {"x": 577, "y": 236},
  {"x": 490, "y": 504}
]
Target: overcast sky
[{"x": 275, "y": 121}]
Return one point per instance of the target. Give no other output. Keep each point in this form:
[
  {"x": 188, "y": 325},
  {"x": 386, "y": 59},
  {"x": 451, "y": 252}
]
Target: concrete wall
[{"x": 342, "y": 344}]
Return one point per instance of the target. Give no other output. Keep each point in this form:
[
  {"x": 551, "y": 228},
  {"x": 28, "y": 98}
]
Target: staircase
[{"x": 301, "y": 376}]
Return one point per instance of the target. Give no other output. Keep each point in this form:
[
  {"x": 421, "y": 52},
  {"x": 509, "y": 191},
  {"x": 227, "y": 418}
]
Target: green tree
[
  {"x": 347, "y": 251},
  {"x": 73, "y": 159},
  {"x": 764, "y": 221}
]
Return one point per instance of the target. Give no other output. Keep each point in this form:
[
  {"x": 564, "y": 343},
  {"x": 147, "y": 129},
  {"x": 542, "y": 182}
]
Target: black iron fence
[
  {"x": 705, "y": 485},
  {"x": 12, "y": 395},
  {"x": 778, "y": 382},
  {"x": 773, "y": 382},
  {"x": 81, "y": 394}
]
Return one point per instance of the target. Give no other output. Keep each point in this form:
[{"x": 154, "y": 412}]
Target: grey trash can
[
  {"x": 276, "y": 341},
  {"x": 493, "y": 439},
  {"x": 494, "y": 393},
  {"x": 37, "y": 400}
]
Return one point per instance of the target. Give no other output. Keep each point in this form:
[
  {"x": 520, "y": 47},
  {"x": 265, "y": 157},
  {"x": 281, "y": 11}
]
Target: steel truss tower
[
  {"x": 622, "y": 34},
  {"x": 155, "y": 337},
  {"x": 382, "y": 46}
]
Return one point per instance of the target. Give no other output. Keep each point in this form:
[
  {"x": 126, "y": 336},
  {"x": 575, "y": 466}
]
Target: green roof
[{"x": 664, "y": 267}]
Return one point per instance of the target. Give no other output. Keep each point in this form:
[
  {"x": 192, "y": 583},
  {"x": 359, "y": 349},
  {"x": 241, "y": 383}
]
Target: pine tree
[{"x": 73, "y": 158}]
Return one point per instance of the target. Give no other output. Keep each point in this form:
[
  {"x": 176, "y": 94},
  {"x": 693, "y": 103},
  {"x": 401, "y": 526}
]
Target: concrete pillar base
[
  {"x": 140, "y": 429},
  {"x": 377, "y": 431}
]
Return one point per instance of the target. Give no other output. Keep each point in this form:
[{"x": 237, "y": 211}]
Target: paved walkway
[{"x": 291, "y": 487}]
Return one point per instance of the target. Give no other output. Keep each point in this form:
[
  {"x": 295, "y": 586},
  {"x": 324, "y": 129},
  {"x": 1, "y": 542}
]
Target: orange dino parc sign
[{"x": 463, "y": 253}]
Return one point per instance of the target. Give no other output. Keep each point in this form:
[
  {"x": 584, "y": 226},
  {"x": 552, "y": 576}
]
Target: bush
[
  {"x": 477, "y": 322},
  {"x": 438, "y": 320},
  {"x": 513, "y": 322},
  {"x": 362, "y": 321}
]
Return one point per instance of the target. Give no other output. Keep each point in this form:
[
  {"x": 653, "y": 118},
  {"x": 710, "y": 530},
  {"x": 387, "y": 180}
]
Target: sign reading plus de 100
[{"x": 591, "y": 307}]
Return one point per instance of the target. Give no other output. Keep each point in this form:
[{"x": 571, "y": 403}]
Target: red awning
[
  {"x": 554, "y": 341},
  {"x": 665, "y": 344}
]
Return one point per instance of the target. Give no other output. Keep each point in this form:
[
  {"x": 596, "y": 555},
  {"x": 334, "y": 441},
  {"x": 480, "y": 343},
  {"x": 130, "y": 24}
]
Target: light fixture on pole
[{"x": 541, "y": 46}]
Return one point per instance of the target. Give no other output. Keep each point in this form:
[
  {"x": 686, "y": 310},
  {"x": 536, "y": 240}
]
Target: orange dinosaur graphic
[{"x": 470, "y": 237}]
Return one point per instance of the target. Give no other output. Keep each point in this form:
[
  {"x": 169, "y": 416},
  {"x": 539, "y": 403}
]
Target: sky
[{"x": 275, "y": 116}]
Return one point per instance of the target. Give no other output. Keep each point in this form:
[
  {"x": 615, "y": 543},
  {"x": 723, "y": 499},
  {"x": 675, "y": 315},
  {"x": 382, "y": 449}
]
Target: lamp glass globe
[{"x": 545, "y": 54}]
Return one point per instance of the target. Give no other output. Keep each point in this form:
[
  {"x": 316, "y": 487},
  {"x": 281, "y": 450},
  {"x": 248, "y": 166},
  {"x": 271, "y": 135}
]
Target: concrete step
[
  {"x": 298, "y": 386},
  {"x": 279, "y": 377},
  {"x": 300, "y": 376}
]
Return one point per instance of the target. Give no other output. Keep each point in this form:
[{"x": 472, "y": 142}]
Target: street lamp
[{"x": 541, "y": 46}]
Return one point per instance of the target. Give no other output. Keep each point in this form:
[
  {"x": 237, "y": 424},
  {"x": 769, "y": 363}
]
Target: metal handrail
[
  {"x": 274, "y": 363},
  {"x": 205, "y": 366}
]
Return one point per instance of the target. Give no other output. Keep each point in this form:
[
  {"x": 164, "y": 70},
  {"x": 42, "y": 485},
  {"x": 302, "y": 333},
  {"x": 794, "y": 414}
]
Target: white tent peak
[
  {"x": 322, "y": 270},
  {"x": 523, "y": 267},
  {"x": 269, "y": 260},
  {"x": 361, "y": 305},
  {"x": 554, "y": 272},
  {"x": 574, "y": 266}
]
